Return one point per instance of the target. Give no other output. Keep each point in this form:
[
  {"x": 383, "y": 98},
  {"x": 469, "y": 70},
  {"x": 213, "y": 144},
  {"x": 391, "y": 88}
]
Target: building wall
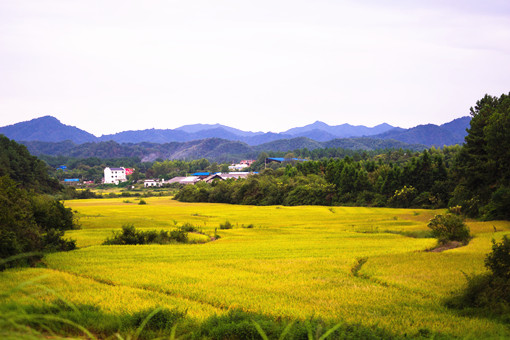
[{"x": 114, "y": 176}]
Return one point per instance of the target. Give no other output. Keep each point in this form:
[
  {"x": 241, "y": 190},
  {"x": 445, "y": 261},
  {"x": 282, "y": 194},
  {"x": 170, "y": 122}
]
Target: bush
[
  {"x": 448, "y": 228},
  {"x": 129, "y": 235},
  {"x": 226, "y": 225},
  {"x": 189, "y": 228},
  {"x": 31, "y": 223},
  {"x": 142, "y": 201},
  {"x": 490, "y": 291},
  {"x": 498, "y": 261}
]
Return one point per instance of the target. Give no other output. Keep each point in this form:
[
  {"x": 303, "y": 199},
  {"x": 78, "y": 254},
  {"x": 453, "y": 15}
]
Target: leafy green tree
[
  {"x": 449, "y": 227},
  {"x": 483, "y": 164}
]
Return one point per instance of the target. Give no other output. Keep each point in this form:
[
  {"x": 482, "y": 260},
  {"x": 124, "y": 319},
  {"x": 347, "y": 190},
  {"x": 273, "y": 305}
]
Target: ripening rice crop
[{"x": 293, "y": 262}]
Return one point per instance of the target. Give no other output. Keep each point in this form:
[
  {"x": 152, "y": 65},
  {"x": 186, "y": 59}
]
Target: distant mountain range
[{"x": 50, "y": 129}]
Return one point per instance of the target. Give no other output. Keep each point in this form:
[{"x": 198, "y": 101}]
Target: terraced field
[{"x": 296, "y": 262}]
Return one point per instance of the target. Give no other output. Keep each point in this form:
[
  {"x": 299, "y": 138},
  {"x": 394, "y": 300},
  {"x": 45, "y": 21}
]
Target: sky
[{"x": 111, "y": 66}]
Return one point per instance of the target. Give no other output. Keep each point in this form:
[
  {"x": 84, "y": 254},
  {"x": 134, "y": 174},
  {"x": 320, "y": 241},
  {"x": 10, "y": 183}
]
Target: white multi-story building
[{"x": 114, "y": 175}]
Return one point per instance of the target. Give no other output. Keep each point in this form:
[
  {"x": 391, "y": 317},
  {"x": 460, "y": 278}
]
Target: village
[{"x": 119, "y": 175}]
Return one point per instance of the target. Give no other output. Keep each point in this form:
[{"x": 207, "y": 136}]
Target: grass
[{"x": 295, "y": 265}]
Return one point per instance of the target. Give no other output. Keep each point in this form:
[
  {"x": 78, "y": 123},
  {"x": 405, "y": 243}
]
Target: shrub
[
  {"x": 142, "y": 201},
  {"x": 488, "y": 291},
  {"x": 129, "y": 235},
  {"x": 31, "y": 223},
  {"x": 456, "y": 210},
  {"x": 449, "y": 227},
  {"x": 226, "y": 225},
  {"x": 188, "y": 227},
  {"x": 498, "y": 261}
]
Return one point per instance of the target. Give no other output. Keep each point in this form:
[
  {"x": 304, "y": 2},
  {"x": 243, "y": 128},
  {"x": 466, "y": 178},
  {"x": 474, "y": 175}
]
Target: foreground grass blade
[
  {"x": 330, "y": 331},
  {"x": 145, "y": 321}
]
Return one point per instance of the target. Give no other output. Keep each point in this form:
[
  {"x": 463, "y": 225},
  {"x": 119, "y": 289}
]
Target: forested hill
[
  {"x": 214, "y": 149},
  {"x": 450, "y": 133},
  {"x": 26, "y": 170},
  {"x": 46, "y": 129}
]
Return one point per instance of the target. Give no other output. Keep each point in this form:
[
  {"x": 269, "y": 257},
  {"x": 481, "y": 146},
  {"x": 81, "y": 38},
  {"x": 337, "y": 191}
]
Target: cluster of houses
[
  {"x": 117, "y": 175},
  {"x": 241, "y": 165},
  {"x": 197, "y": 177}
]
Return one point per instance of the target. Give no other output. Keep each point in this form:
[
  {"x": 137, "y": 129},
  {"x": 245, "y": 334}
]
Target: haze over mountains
[{"x": 50, "y": 129}]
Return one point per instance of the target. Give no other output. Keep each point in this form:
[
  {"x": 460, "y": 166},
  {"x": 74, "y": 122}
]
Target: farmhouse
[
  {"x": 224, "y": 176},
  {"x": 152, "y": 183},
  {"x": 114, "y": 175},
  {"x": 183, "y": 180},
  {"x": 242, "y": 164},
  {"x": 207, "y": 177}
]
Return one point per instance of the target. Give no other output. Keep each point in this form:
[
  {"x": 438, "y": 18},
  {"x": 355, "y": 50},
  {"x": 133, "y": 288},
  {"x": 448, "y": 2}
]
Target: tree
[
  {"x": 483, "y": 165},
  {"x": 449, "y": 227}
]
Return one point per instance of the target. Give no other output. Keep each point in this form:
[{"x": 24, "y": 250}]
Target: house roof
[
  {"x": 184, "y": 180},
  {"x": 117, "y": 169},
  {"x": 281, "y": 159},
  {"x": 235, "y": 175},
  {"x": 201, "y": 174}
]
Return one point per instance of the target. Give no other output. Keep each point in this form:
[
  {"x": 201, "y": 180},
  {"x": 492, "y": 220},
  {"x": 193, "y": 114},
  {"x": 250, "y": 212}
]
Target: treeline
[
  {"x": 31, "y": 218},
  {"x": 475, "y": 176},
  {"x": 422, "y": 181},
  {"x": 92, "y": 168}
]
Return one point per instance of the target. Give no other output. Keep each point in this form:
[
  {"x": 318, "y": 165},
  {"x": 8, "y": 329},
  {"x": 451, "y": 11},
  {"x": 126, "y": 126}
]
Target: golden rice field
[{"x": 295, "y": 263}]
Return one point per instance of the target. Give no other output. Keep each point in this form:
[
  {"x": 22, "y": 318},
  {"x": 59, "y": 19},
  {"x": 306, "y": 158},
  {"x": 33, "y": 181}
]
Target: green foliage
[
  {"x": 357, "y": 266},
  {"x": 498, "y": 261},
  {"x": 31, "y": 223},
  {"x": 129, "y": 236},
  {"x": 142, "y": 202},
  {"x": 498, "y": 207},
  {"x": 490, "y": 291},
  {"x": 28, "y": 171},
  {"x": 402, "y": 198},
  {"x": 419, "y": 181},
  {"x": 226, "y": 225},
  {"x": 483, "y": 165},
  {"x": 449, "y": 227},
  {"x": 190, "y": 228}
]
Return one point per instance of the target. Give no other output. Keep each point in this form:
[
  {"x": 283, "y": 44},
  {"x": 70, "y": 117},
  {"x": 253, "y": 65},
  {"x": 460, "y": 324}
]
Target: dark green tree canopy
[{"x": 483, "y": 164}]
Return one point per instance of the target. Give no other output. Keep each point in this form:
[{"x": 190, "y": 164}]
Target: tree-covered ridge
[
  {"x": 27, "y": 170},
  {"x": 213, "y": 149}
]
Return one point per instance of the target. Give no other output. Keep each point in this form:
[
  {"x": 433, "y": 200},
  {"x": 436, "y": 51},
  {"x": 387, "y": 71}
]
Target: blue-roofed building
[
  {"x": 281, "y": 159},
  {"x": 201, "y": 174}
]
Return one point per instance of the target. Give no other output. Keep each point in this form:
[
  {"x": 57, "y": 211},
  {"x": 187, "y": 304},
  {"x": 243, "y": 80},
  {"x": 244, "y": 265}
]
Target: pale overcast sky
[{"x": 108, "y": 66}]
